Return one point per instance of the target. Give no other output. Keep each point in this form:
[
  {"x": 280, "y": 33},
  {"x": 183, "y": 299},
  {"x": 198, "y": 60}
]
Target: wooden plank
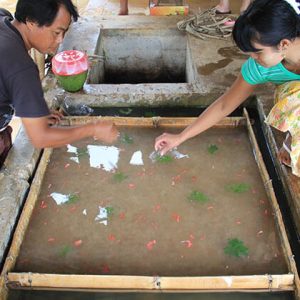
[
  {"x": 291, "y": 183},
  {"x": 289, "y": 257},
  {"x": 253, "y": 291},
  {"x": 21, "y": 228},
  {"x": 283, "y": 282},
  {"x": 151, "y": 122},
  {"x": 75, "y": 282},
  {"x": 271, "y": 282}
]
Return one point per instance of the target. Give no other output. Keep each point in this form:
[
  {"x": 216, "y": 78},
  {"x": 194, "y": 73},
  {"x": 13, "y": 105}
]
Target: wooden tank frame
[{"x": 252, "y": 283}]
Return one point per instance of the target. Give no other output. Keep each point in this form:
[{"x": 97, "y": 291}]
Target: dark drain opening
[{"x": 135, "y": 56}]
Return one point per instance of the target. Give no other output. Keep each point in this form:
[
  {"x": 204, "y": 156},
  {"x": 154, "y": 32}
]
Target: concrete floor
[
  {"x": 111, "y": 7},
  {"x": 140, "y": 7}
]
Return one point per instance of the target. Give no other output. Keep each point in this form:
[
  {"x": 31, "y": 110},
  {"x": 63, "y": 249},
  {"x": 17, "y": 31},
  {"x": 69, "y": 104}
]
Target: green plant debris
[
  {"x": 212, "y": 149},
  {"x": 150, "y": 114},
  {"x": 109, "y": 210},
  {"x": 119, "y": 177},
  {"x": 198, "y": 197},
  {"x": 164, "y": 159},
  {"x": 125, "y": 111},
  {"x": 236, "y": 247},
  {"x": 73, "y": 198},
  {"x": 126, "y": 139},
  {"x": 64, "y": 251},
  {"x": 238, "y": 188},
  {"x": 82, "y": 152}
]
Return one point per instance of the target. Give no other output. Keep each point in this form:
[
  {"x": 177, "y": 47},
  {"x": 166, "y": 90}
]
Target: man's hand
[
  {"x": 54, "y": 118},
  {"x": 44, "y": 136},
  {"x": 105, "y": 131}
]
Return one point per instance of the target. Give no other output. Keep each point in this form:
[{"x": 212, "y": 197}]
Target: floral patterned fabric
[{"x": 285, "y": 116}]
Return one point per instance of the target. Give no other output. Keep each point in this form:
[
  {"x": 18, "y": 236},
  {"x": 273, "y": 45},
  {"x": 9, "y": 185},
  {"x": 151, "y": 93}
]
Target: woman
[{"x": 269, "y": 31}]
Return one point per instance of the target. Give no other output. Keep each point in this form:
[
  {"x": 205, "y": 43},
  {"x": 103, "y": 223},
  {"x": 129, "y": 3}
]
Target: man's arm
[{"x": 44, "y": 136}]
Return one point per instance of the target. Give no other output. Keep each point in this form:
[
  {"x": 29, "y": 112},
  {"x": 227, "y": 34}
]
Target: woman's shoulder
[
  {"x": 252, "y": 71},
  {"x": 255, "y": 73}
]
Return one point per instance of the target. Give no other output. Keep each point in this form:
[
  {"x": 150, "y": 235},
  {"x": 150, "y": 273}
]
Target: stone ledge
[
  {"x": 15, "y": 176},
  {"x": 13, "y": 192},
  {"x": 22, "y": 158}
]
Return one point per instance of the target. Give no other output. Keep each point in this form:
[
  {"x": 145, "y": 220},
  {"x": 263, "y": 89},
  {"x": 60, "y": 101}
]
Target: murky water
[
  {"x": 30, "y": 295},
  {"x": 203, "y": 215}
]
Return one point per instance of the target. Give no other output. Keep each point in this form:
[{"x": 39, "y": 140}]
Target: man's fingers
[
  {"x": 52, "y": 121},
  {"x": 57, "y": 116}
]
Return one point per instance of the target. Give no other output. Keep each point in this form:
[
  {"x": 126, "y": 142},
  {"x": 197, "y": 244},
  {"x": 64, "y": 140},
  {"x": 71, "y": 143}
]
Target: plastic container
[{"x": 70, "y": 68}]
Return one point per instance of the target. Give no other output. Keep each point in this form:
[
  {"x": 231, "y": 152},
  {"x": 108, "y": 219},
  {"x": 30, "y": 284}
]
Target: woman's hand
[
  {"x": 219, "y": 109},
  {"x": 166, "y": 142}
]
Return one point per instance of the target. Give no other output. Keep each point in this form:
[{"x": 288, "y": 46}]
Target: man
[{"x": 39, "y": 24}]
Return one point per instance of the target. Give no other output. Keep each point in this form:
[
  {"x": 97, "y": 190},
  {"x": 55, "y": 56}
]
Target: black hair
[
  {"x": 266, "y": 22},
  {"x": 43, "y": 12}
]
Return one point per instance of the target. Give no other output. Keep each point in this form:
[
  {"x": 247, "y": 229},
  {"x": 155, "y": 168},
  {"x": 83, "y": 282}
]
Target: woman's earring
[{"x": 283, "y": 55}]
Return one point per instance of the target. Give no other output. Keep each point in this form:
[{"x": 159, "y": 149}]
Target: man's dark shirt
[{"x": 20, "y": 85}]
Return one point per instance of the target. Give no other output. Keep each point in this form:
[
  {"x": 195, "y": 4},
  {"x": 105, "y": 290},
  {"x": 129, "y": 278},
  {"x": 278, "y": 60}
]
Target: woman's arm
[{"x": 222, "y": 107}]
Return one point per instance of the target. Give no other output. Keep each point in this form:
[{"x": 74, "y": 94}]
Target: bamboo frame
[
  {"x": 211, "y": 283},
  {"x": 18, "y": 237},
  {"x": 152, "y": 122},
  {"x": 277, "y": 213},
  {"x": 282, "y": 282},
  {"x": 290, "y": 182}
]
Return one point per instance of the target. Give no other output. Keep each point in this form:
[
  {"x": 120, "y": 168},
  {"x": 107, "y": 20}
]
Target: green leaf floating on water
[
  {"x": 119, "y": 177},
  {"x": 109, "y": 210},
  {"x": 198, "y": 197},
  {"x": 73, "y": 198},
  {"x": 82, "y": 152},
  {"x": 238, "y": 187},
  {"x": 125, "y": 111},
  {"x": 126, "y": 139},
  {"x": 64, "y": 251},
  {"x": 236, "y": 247},
  {"x": 164, "y": 159},
  {"x": 212, "y": 149}
]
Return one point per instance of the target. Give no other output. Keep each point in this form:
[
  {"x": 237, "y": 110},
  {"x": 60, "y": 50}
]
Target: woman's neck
[{"x": 292, "y": 58}]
